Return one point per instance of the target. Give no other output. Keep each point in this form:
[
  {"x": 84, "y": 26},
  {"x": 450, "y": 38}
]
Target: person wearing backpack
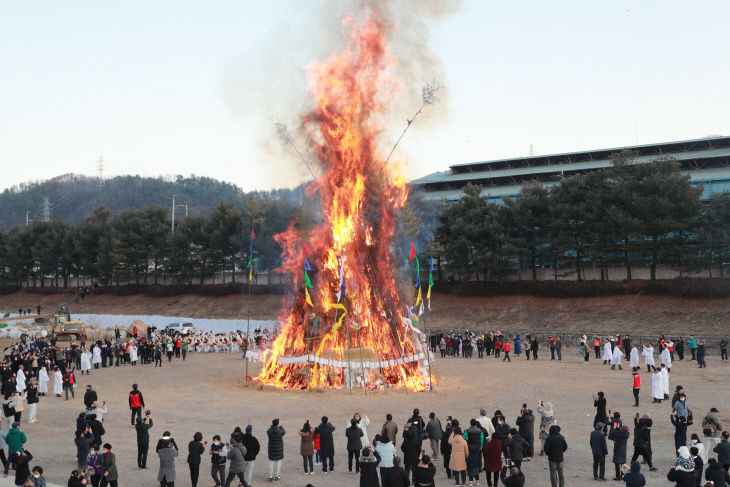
[
  {"x": 435, "y": 432},
  {"x": 711, "y": 429}
]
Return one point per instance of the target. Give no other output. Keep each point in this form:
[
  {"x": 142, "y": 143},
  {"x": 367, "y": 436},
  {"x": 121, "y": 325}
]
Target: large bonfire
[{"x": 347, "y": 325}]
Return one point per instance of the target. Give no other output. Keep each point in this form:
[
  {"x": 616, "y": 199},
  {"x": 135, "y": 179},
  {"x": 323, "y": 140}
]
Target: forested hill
[{"x": 75, "y": 197}]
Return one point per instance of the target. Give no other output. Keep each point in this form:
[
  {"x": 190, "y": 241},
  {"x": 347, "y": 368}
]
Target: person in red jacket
[
  {"x": 69, "y": 379},
  {"x": 506, "y": 348},
  {"x": 637, "y": 386},
  {"x": 136, "y": 402},
  {"x": 497, "y": 348}
]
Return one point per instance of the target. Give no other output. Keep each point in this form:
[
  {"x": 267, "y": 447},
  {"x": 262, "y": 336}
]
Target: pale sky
[{"x": 182, "y": 87}]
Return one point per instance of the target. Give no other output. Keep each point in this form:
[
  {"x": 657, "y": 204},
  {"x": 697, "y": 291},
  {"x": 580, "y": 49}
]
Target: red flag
[
  {"x": 413, "y": 251},
  {"x": 305, "y": 250},
  {"x": 253, "y": 235}
]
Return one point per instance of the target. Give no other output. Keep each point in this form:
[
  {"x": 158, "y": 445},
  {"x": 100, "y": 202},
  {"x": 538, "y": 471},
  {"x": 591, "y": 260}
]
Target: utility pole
[
  {"x": 173, "y": 211},
  {"x": 100, "y": 167},
  {"x": 532, "y": 150},
  {"x": 46, "y": 209},
  {"x": 27, "y": 218}
]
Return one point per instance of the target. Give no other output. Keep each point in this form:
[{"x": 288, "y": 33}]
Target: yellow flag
[
  {"x": 307, "y": 298},
  {"x": 418, "y": 299},
  {"x": 428, "y": 293},
  {"x": 250, "y": 274}
]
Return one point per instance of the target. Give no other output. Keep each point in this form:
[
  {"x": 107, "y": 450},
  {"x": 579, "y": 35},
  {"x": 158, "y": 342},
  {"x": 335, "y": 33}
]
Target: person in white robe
[
  {"x": 20, "y": 380},
  {"x": 607, "y": 353},
  {"x": 648, "y": 354},
  {"x": 362, "y": 422},
  {"x": 665, "y": 381},
  {"x": 133, "y": 354},
  {"x": 43, "y": 380},
  {"x": 657, "y": 389},
  {"x": 96, "y": 356},
  {"x": 666, "y": 359},
  {"x": 634, "y": 357},
  {"x": 57, "y": 383},
  {"x": 616, "y": 358},
  {"x": 85, "y": 362}
]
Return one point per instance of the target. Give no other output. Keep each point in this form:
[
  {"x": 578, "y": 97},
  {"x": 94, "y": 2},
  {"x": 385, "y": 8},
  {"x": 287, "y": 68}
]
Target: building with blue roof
[{"x": 706, "y": 161}]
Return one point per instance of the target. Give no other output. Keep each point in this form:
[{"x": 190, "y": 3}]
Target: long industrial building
[{"x": 706, "y": 161}]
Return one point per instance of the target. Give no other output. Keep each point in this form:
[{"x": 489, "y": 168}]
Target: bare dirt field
[
  {"x": 615, "y": 314},
  {"x": 207, "y": 393}
]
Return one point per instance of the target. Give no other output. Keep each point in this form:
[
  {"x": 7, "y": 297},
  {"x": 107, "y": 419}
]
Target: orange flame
[{"x": 359, "y": 338}]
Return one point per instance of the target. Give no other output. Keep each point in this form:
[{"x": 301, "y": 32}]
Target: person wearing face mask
[
  {"x": 218, "y": 461},
  {"x": 36, "y": 479},
  {"x": 682, "y": 408}
]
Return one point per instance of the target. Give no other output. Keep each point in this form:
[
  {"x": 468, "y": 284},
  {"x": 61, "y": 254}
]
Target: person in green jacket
[
  {"x": 184, "y": 349},
  {"x": 15, "y": 439}
]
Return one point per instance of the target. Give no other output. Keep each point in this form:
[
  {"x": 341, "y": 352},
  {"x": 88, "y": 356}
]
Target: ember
[{"x": 348, "y": 326}]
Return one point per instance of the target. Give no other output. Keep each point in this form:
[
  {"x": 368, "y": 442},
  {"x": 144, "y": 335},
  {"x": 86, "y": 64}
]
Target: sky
[{"x": 183, "y": 87}]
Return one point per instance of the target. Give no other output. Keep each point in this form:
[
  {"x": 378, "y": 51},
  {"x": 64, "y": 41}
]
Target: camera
[{"x": 147, "y": 413}]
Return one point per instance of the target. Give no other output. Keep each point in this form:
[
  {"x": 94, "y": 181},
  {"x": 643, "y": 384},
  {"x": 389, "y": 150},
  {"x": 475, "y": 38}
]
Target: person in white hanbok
[
  {"x": 648, "y": 354},
  {"x": 666, "y": 359},
  {"x": 96, "y": 360},
  {"x": 634, "y": 357},
  {"x": 362, "y": 422},
  {"x": 57, "y": 383},
  {"x": 133, "y": 354},
  {"x": 43, "y": 380},
  {"x": 20, "y": 379},
  {"x": 657, "y": 389},
  {"x": 616, "y": 358},
  {"x": 665, "y": 381},
  {"x": 607, "y": 353},
  {"x": 85, "y": 362}
]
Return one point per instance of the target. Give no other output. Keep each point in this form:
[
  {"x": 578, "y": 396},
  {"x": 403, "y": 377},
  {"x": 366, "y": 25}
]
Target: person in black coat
[
  {"x": 515, "y": 445},
  {"x": 326, "y": 444},
  {"x": 716, "y": 473},
  {"x": 526, "y": 427},
  {"x": 369, "y": 468},
  {"x": 699, "y": 464},
  {"x": 90, "y": 397},
  {"x": 143, "y": 439},
  {"x": 411, "y": 447},
  {"x": 424, "y": 473},
  {"x": 96, "y": 427},
  {"x": 619, "y": 436},
  {"x": 253, "y": 447},
  {"x": 446, "y": 446},
  {"x": 195, "y": 449},
  {"x": 512, "y": 476},
  {"x": 682, "y": 478},
  {"x": 354, "y": 444},
  {"x": 599, "y": 449},
  {"x": 396, "y": 476},
  {"x": 600, "y": 404}
]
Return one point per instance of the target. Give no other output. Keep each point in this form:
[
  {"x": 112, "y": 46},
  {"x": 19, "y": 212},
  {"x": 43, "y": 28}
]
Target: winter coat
[
  {"x": 83, "y": 446},
  {"x": 15, "y": 440},
  {"x": 526, "y": 427},
  {"x": 681, "y": 478},
  {"x": 423, "y": 476},
  {"x": 276, "y": 442},
  {"x": 555, "y": 445},
  {"x": 21, "y": 463},
  {"x": 386, "y": 453},
  {"x": 716, "y": 473},
  {"x": 306, "y": 448},
  {"x": 369, "y": 470},
  {"x": 326, "y": 441},
  {"x": 396, "y": 477},
  {"x": 711, "y": 418},
  {"x": 598, "y": 443},
  {"x": 620, "y": 437},
  {"x": 195, "y": 450},
  {"x": 459, "y": 452},
  {"x": 354, "y": 438},
  {"x": 634, "y": 478},
  {"x": 474, "y": 460},
  {"x": 167, "y": 464},
  {"x": 252, "y": 446},
  {"x": 518, "y": 346},
  {"x": 109, "y": 463},
  {"x": 513, "y": 480},
  {"x": 411, "y": 448},
  {"x": 515, "y": 445},
  {"x": 434, "y": 430},
  {"x": 492, "y": 453},
  {"x": 390, "y": 429},
  {"x": 722, "y": 449},
  {"x": 236, "y": 455}
]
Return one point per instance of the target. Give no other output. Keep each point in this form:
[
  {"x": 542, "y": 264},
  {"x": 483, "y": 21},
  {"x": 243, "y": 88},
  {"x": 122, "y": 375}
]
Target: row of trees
[
  {"x": 626, "y": 215},
  {"x": 620, "y": 216},
  {"x": 137, "y": 245}
]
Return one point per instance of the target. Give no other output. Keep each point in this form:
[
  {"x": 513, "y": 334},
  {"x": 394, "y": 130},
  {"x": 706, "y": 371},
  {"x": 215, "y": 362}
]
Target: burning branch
[{"x": 287, "y": 139}]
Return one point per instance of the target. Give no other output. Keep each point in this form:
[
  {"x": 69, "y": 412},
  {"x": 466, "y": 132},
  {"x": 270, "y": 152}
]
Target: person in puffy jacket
[
  {"x": 619, "y": 436},
  {"x": 716, "y": 473},
  {"x": 354, "y": 444},
  {"x": 459, "y": 454},
  {"x": 253, "y": 447},
  {"x": 512, "y": 476},
  {"x": 196, "y": 448},
  {"x": 599, "y": 449},
  {"x": 634, "y": 478},
  {"x": 276, "y": 448},
  {"x": 236, "y": 460}
]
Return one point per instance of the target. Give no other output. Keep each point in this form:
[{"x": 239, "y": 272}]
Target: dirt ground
[
  {"x": 207, "y": 393},
  {"x": 614, "y": 314}
]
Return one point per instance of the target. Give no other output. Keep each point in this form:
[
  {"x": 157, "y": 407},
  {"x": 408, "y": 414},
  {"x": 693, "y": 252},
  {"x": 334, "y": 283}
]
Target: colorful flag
[
  {"x": 250, "y": 254},
  {"x": 418, "y": 298},
  {"x": 412, "y": 255},
  {"x": 305, "y": 249},
  {"x": 430, "y": 285},
  {"x": 307, "y": 298},
  {"x": 307, "y": 282},
  {"x": 418, "y": 273},
  {"x": 307, "y": 267}
]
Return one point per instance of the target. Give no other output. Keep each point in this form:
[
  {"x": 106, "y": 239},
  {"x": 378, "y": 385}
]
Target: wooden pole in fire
[{"x": 248, "y": 321}]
